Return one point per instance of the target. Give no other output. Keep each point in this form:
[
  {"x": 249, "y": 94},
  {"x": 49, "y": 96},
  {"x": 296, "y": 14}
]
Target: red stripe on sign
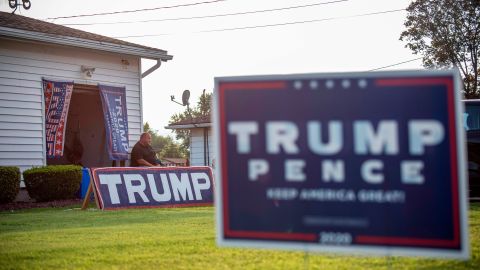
[
  {"x": 123, "y": 169},
  {"x": 161, "y": 206},
  {"x": 453, "y": 159},
  {"x": 448, "y": 83},
  {"x": 270, "y": 235},
  {"x": 275, "y": 85},
  {"x": 228, "y": 86},
  {"x": 223, "y": 131},
  {"x": 365, "y": 239}
]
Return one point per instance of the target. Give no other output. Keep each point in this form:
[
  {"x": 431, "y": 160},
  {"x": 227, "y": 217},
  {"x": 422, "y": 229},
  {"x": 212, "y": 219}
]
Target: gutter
[
  {"x": 154, "y": 54},
  {"x": 188, "y": 126}
]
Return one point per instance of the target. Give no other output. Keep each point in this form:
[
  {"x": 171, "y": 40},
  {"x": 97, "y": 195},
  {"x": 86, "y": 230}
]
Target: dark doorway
[{"x": 85, "y": 132}]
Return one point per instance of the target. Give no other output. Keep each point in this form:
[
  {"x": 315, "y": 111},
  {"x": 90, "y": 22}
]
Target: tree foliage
[
  {"x": 447, "y": 33},
  {"x": 202, "y": 109},
  {"x": 165, "y": 146}
]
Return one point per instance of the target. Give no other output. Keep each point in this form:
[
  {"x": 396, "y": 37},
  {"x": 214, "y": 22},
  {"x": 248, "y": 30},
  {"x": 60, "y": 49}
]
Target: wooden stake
[
  {"x": 86, "y": 199},
  {"x": 90, "y": 189}
]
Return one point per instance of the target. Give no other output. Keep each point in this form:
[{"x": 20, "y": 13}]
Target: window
[{"x": 471, "y": 116}]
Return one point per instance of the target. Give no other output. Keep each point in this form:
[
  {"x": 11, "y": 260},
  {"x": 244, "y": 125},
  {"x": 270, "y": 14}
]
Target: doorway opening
[{"x": 85, "y": 140}]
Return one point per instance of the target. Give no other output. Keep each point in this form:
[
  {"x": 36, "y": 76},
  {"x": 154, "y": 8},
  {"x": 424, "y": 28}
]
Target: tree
[
  {"x": 165, "y": 146},
  {"x": 201, "y": 110},
  {"x": 447, "y": 34}
]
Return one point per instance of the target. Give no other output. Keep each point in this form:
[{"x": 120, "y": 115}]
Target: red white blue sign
[
  {"x": 57, "y": 97},
  {"x": 350, "y": 162},
  {"x": 149, "y": 187}
]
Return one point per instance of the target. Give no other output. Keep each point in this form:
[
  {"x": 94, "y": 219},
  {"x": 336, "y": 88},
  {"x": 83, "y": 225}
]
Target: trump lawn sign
[
  {"x": 148, "y": 187},
  {"x": 369, "y": 163}
]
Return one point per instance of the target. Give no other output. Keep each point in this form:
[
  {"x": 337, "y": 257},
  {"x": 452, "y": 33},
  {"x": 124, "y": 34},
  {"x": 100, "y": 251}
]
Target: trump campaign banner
[
  {"x": 57, "y": 96},
  {"x": 116, "y": 123},
  {"x": 351, "y": 162},
  {"x": 147, "y": 187}
]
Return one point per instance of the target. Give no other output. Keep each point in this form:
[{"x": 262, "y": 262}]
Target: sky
[{"x": 320, "y": 36}]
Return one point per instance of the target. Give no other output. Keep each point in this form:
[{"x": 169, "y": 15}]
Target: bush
[
  {"x": 56, "y": 182},
  {"x": 9, "y": 183}
]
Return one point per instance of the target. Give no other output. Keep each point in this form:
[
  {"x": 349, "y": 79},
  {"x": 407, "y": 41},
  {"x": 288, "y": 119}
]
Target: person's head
[{"x": 146, "y": 138}]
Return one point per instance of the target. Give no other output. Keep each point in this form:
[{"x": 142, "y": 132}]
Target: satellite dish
[{"x": 185, "y": 97}]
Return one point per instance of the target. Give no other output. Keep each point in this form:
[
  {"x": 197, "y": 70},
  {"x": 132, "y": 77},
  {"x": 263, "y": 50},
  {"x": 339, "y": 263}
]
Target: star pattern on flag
[{"x": 57, "y": 99}]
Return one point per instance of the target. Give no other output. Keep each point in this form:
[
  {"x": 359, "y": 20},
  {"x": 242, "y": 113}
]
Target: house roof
[
  {"x": 196, "y": 122},
  {"x": 17, "y": 26}
]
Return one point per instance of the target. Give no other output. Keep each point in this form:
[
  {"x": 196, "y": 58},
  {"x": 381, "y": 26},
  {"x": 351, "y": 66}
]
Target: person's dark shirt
[{"x": 140, "y": 151}]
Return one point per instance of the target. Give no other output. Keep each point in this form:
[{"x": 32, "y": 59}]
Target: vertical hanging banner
[
  {"x": 116, "y": 123},
  {"x": 57, "y": 97},
  {"x": 368, "y": 163}
]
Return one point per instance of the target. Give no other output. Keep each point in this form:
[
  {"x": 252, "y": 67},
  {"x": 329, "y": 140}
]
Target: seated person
[{"x": 143, "y": 154}]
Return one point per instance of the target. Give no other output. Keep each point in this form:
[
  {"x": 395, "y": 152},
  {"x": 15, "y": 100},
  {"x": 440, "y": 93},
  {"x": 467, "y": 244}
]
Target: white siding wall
[
  {"x": 197, "y": 147},
  {"x": 22, "y": 66}
]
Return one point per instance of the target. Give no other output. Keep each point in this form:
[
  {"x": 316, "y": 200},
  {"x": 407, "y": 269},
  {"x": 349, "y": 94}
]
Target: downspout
[
  {"x": 152, "y": 69},
  {"x": 207, "y": 147},
  {"x": 204, "y": 148},
  {"x": 143, "y": 75}
]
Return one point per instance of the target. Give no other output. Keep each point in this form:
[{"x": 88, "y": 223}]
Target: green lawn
[{"x": 166, "y": 239}]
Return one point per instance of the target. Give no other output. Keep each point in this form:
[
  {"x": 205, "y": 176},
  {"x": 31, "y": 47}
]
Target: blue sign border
[
  {"x": 94, "y": 176},
  {"x": 381, "y": 245}
]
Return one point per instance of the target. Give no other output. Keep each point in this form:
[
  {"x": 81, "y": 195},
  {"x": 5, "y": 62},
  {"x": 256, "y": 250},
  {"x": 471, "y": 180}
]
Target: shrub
[
  {"x": 9, "y": 183},
  {"x": 56, "y": 182}
]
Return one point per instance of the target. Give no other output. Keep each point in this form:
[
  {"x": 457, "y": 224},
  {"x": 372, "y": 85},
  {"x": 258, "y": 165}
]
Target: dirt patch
[{"x": 28, "y": 205}]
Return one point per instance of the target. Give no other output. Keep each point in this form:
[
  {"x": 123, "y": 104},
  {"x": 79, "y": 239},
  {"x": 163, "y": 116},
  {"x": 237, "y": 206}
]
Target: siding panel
[
  {"x": 21, "y": 155},
  {"x": 20, "y": 126},
  {"x": 20, "y": 119},
  {"x": 25, "y": 112},
  {"x": 20, "y": 162},
  {"x": 21, "y": 140},
  {"x": 133, "y": 120},
  {"x": 21, "y": 83},
  {"x": 59, "y": 55},
  {"x": 133, "y": 106},
  {"x": 20, "y": 104},
  {"x": 53, "y": 70},
  {"x": 20, "y": 148},
  {"x": 69, "y": 76},
  {"x": 29, "y": 91},
  {"x": 21, "y": 134},
  {"x": 26, "y": 97},
  {"x": 133, "y": 112}
]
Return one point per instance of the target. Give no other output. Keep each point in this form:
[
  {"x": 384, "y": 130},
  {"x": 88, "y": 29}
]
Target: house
[
  {"x": 33, "y": 50},
  {"x": 201, "y": 141}
]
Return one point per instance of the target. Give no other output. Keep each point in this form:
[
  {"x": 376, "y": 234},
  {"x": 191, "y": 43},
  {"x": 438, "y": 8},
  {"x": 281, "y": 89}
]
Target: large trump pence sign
[
  {"x": 354, "y": 162},
  {"x": 118, "y": 188}
]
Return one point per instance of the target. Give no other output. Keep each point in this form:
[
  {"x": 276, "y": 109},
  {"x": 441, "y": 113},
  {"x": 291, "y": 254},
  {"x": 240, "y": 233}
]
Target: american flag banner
[{"x": 57, "y": 101}]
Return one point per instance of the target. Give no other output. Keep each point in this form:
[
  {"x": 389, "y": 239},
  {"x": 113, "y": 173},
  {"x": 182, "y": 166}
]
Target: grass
[{"x": 167, "y": 239}]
